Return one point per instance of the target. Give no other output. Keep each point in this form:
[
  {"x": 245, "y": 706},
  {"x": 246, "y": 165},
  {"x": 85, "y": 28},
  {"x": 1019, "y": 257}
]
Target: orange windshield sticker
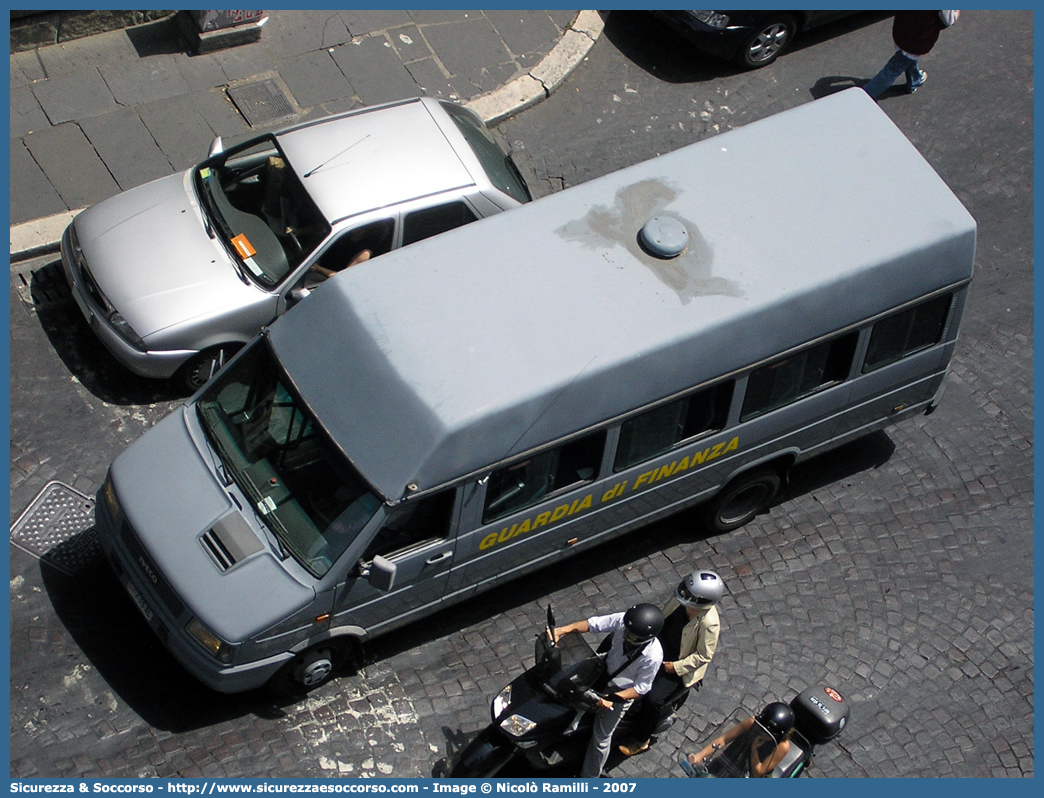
[{"x": 242, "y": 246}]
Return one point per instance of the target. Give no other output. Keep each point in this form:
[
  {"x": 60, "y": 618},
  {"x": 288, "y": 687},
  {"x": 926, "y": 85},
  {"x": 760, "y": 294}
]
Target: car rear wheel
[
  {"x": 768, "y": 40},
  {"x": 198, "y": 371}
]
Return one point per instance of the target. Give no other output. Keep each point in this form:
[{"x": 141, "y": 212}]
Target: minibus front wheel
[
  {"x": 310, "y": 669},
  {"x": 741, "y": 500}
]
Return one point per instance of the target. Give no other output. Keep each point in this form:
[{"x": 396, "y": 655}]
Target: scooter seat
[{"x": 785, "y": 769}]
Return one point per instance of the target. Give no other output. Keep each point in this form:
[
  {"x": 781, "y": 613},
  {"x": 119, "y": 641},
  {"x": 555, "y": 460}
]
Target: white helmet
[{"x": 699, "y": 589}]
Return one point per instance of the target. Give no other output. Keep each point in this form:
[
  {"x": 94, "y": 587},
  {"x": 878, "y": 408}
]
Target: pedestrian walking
[{"x": 914, "y": 34}]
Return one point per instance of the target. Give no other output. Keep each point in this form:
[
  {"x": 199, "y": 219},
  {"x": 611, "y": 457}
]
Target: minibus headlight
[
  {"x": 214, "y": 645},
  {"x": 517, "y": 725},
  {"x": 502, "y": 702},
  {"x": 112, "y": 504}
]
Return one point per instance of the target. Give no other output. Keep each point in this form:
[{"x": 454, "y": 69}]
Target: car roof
[
  {"x": 376, "y": 157},
  {"x": 478, "y": 345}
]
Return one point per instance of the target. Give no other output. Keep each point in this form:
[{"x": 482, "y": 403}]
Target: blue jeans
[{"x": 897, "y": 65}]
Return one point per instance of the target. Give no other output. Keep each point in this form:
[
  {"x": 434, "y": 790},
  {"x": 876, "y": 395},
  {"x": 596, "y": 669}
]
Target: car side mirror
[
  {"x": 216, "y": 146},
  {"x": 382, "y": 573}
]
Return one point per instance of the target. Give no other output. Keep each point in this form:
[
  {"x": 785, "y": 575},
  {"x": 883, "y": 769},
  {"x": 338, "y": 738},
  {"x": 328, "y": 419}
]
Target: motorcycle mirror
[{"x": 550, "y": 620}]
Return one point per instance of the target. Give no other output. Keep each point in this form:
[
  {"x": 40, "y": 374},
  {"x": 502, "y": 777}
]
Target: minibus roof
[{"x": 444, "y": 357}]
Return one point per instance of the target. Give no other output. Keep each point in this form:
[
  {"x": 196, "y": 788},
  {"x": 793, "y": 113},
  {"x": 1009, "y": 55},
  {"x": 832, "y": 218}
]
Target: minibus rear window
[
  {"x": 794, "y": 377},
  {"x": 298, "y": 484},
  {"x": 904, "y": 333}
]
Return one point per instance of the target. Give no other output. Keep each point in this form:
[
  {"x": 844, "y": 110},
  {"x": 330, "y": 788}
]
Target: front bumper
[
  {"x": 722, "y": 43},
  {"x": 167, "y": 616},
  {"x": 155, "y": 364}
]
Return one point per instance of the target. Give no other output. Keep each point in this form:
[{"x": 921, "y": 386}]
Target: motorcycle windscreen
[{"x": 730, "y": 752}]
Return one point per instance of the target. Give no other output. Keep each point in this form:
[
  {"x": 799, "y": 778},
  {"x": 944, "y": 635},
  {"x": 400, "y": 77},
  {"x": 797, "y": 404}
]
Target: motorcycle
[
  {"x": 820, "y": 714},
  {"x": 543, "y": 718}
]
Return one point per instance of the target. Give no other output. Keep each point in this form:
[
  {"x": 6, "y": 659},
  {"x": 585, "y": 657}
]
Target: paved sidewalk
[{"x": 95, "y": 116}]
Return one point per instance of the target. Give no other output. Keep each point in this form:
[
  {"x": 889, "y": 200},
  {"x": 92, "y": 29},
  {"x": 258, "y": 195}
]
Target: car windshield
[
  {"x": 499, "y": 168},
  {"x": 301, "y": 487},
  {"x": 256, "y": 204}
]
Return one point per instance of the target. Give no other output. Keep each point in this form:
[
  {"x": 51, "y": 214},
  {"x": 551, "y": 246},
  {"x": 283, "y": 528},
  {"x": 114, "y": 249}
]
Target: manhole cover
[
  {"x": 58, "y": 528},
  {"x": 261, "y": 103}
]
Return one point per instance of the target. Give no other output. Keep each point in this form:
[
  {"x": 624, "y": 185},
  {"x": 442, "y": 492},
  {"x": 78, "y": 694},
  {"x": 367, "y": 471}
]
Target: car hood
[
  {"x": 169, "y": 516},
  {"x": 152, "y": 258}
]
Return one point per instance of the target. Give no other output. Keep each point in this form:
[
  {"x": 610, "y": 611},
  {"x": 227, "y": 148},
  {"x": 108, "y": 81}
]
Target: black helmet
[
  {"x": 642, "y": 623},
  {"x": 699, "y": 589},
  {"x": 778, "y": 719}
]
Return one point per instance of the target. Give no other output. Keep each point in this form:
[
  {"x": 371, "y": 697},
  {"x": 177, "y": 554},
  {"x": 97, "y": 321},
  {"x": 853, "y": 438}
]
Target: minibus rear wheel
[
  {"x": 310, "y": 669},
  {"x": 741, "y": 500}
]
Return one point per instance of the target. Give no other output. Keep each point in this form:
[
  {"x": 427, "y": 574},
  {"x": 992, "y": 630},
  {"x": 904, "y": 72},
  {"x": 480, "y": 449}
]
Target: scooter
[
  {"x": 820, "y": 714},
  {"x": 543, "y": 718}
]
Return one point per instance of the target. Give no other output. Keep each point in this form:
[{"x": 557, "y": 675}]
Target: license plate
[
  {"x": 84, "y": 308},
  {"x": 146, "y": 610}
]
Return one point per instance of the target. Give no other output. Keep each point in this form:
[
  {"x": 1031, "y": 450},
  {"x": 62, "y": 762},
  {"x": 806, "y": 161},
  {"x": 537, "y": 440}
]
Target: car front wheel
[
  {"x": 768, "y": 40},
  {"x": 198, "y": 371}
]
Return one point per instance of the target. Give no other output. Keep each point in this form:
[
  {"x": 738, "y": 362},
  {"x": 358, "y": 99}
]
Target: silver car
[{"x": 175, "y": 275}]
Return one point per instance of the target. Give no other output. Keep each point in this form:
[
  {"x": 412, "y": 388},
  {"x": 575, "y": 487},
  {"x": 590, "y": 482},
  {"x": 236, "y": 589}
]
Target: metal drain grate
[
  {"x": 58, "y": 528},
  {"x": 261, "y": 103},
  {"x": 41, "y": 288}
]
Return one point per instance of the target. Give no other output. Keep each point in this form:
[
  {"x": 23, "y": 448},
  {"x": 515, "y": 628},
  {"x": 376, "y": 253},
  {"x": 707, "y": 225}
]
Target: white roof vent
[{"x": 664, "y": 237}]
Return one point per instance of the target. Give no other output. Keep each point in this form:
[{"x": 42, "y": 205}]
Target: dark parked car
[{"x": 751, "y": 39}]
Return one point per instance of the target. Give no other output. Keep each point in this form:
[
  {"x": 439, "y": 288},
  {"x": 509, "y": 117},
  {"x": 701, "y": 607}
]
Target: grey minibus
[{"x": 496, "y": 398}]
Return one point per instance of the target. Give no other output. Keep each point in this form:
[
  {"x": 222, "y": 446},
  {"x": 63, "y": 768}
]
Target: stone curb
[
  {"x": 527, "y": 90},
  {"x": 43, "y": 236}
]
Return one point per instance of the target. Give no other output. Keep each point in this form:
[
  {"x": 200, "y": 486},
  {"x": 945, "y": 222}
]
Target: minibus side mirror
[
  {"x": 216, "y": 146},
  {"x": 298, "y": 293},
  {"x": 382, "y": 573}
]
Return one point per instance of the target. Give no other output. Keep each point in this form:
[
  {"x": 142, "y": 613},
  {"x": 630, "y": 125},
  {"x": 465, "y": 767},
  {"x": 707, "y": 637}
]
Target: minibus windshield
[{"x": 301, "y": 488}]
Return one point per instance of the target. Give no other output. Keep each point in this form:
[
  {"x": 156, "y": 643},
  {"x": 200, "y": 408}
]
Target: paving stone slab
[
  {"x": 179, "y": 129},
  {"x": 76, "y": 96},
  {"x": 374, "y": 71},
  {"x": 290, "y": 33},
  {"x": 524, "y": 32},
  {"x": 144, "y": 80},
  {"x": 71, "y": 165},
  {"x": 361, "y": 22},
  {"x": 314, "y": 78},
  {"x": 485, "y": 47},
  {"x": 26, "y": 113},
  {"x": 127, "y": 147}
]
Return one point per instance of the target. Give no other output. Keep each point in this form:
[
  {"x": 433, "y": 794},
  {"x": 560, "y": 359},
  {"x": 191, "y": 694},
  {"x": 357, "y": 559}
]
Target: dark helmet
[
  {"x": 642, "y": 623},
  {"x": 699, "y": 589},
  {"x": 778, "y": 719}
]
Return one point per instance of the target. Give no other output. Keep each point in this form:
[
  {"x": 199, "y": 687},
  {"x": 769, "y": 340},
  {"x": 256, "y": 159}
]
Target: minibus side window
[
  {"x": 904, "y": 333},
  {"x": 791, "y": 378},
  {"x": 527, "y": 482},
  {"x": 419, "y": 521},
  {"x": 658, "y": 430}
]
